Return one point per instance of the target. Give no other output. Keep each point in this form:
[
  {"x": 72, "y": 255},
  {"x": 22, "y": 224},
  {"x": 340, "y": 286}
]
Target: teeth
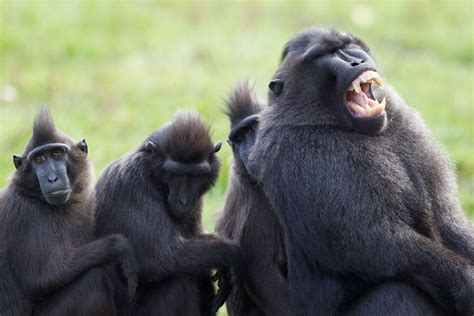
[
  {"x": 377, "y": 80},
  {"x": 370, "y": 76},
  {"x": 367, "y": 110},
  {"x": 383, "y": 102},
  {"x": 356, "y": 86},
  {"x": 366, "y": 77}
]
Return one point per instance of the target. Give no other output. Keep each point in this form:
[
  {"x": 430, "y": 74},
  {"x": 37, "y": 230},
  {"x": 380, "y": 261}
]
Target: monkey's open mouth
[{"x": 359, "y": 98}]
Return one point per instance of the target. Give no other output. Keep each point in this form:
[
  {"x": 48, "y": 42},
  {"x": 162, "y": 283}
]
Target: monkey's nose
[
  {"x": 183, "y": 201},
  {"x": 52, "y": 179},
  {"x": 357, "y": 62}
]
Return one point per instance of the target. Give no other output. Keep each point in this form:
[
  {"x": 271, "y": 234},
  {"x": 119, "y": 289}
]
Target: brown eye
[
  {"x": 40, "y": 159},
  {"x": 56, "y": 155}
]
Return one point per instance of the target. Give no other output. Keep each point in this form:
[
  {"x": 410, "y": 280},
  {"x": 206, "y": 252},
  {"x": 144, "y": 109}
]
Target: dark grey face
[
  {"x": 341, "y": 75},
  {"x": 242, "y": 138},
  {"x": 184, "y": 193},
  {"x": 49, "y": 163},
  {"x": 356, "y": 78},
  {"x": 185, "y": 183}
]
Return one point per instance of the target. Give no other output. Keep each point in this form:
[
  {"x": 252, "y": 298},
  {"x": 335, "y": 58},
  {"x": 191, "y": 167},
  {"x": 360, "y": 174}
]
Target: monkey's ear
[
  {"x": 151, "y": 147},
  {"x": 276, "y": 86},
  {"x": 217, "y": 147},
  {"x": 82, "y": 145},
  {"x": 17, "y": 161}
]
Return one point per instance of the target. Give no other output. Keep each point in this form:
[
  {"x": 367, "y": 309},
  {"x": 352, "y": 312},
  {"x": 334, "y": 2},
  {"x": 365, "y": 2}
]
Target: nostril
[
  {"x": 53, "y": 179},
  {"x": 357, "y": 62},
  {"x": 183, "y": 201}
]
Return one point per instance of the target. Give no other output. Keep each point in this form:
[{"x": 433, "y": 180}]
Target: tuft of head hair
[
  {"x": 43, "y": 127},
  {"x": 186, "y": 139},
  {"x": 44, "y": 131},
  {"x": 242, "y": 102}
]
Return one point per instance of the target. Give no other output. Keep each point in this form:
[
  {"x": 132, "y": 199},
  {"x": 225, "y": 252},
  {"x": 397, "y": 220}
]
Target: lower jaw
[
  {"x": 370, "y": 125},
  {"x": 58, "y": 200}
]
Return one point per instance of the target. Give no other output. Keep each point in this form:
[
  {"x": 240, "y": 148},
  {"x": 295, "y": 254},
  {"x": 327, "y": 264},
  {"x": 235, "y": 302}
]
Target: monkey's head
[
  {"x": 328, "y": 77},
  {"x": 52, "y": 167},
  {"x": 181, "y": 159}
]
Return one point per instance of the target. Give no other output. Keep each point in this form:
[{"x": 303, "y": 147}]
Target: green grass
[{"x": 113, "y": 71}]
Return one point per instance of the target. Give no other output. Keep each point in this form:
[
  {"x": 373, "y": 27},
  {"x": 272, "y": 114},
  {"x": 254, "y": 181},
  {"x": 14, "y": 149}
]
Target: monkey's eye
[
  {"x": 57, "y": 155},
  {"x": 40, "y": 159}
]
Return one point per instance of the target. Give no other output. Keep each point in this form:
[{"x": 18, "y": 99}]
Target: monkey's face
[
  {"x": 184, "y": 192},
  {"x": 182, "y": 182},
  {"x": 49, "y": 170},
  {"x": 356, "y": 80},
  {"x": 186, "y": 183},
  {"x": 332, "y": 73}
]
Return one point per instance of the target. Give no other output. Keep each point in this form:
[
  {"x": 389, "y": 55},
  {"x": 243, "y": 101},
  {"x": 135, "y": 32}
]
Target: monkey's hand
[
  {"x": 224, "y": 283},
  {"x": 128, "y": 263},
  {"x": 229, "y": 278}
]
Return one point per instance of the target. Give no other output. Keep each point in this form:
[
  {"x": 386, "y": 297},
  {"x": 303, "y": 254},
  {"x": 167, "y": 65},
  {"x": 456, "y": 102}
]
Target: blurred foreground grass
[{"x": 113, "y": 71}]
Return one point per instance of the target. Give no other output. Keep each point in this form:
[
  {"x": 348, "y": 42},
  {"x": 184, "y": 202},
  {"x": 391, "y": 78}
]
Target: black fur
[
  {"x": 137, "y": 197},
  {"x": 49, "y": 263},
  {"x": 248, "y": 218},
  {"x": 369, "y": 208}
]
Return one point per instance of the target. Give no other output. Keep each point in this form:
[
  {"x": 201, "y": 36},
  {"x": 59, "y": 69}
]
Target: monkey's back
[{"x": 127, "y": 204}]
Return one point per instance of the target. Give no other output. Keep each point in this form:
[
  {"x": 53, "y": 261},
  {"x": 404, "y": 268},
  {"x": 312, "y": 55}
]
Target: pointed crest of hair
[
  {"x": 187, "y": 138},
  {"x": 44, "y": 130},
  {"x": 242, "y": 102},
  {"x": 44, "y": 127}
]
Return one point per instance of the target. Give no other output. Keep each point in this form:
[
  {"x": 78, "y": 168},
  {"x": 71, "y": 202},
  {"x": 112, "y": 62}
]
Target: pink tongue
[
  {"x": 365, "y": 88},
  {"x": 361, "y": 99}
]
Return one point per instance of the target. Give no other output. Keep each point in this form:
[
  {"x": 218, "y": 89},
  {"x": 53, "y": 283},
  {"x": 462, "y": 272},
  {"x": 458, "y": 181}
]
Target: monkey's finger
[
  {"x": 220, "y": 298},
  {"x": 215, "y": 277}
]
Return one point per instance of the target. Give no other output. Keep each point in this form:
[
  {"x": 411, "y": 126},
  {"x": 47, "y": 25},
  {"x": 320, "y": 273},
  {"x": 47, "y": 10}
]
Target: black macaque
[
  {"x": 153, "y": 195},
  {"x": 367, "y": 201},
  {"x": 50, "y": 264},
  {"x": 248, "y": 218}
]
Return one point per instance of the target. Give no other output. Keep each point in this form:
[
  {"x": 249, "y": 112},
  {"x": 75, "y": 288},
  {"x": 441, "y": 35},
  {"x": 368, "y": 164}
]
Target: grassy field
[{"x": 113, "y": 71}]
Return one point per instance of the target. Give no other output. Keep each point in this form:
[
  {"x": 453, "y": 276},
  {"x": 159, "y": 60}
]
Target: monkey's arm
[
  {"x": 269, "y": 286},
  {"x": 361, "y": 234},
  {"x": 456, "y": 231},
  {"x": 195, "y": 256},
  {"x": 58, "y": 272},
  {"x": 458, "y": 235},
  {"x": 198, "y": 256},
  {"x": 399, "y": 252},
  {"x": 263, "y": 246}
]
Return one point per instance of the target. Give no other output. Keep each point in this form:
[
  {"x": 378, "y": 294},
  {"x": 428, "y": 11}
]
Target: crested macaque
[
  {"x": 367, "y": 201},
  {"x": 50, "y": 263},
  {"x": 248, "y": 218},
  {"x": 153, "y": 196}
]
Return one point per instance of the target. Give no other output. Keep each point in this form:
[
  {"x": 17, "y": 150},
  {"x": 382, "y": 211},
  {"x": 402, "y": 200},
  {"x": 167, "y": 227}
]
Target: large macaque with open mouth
[{"x": 367, "y": 200}]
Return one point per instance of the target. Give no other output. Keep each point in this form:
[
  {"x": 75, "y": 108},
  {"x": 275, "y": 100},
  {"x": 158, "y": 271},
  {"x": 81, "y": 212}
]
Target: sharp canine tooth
[
  {"x": 356, "y": 85},
  {"x": 378, "y": 81},
  {"x": 369, "y": 76}
]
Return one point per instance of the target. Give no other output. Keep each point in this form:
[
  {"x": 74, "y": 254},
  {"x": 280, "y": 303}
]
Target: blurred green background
[{"x": 113, "y": 71}]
